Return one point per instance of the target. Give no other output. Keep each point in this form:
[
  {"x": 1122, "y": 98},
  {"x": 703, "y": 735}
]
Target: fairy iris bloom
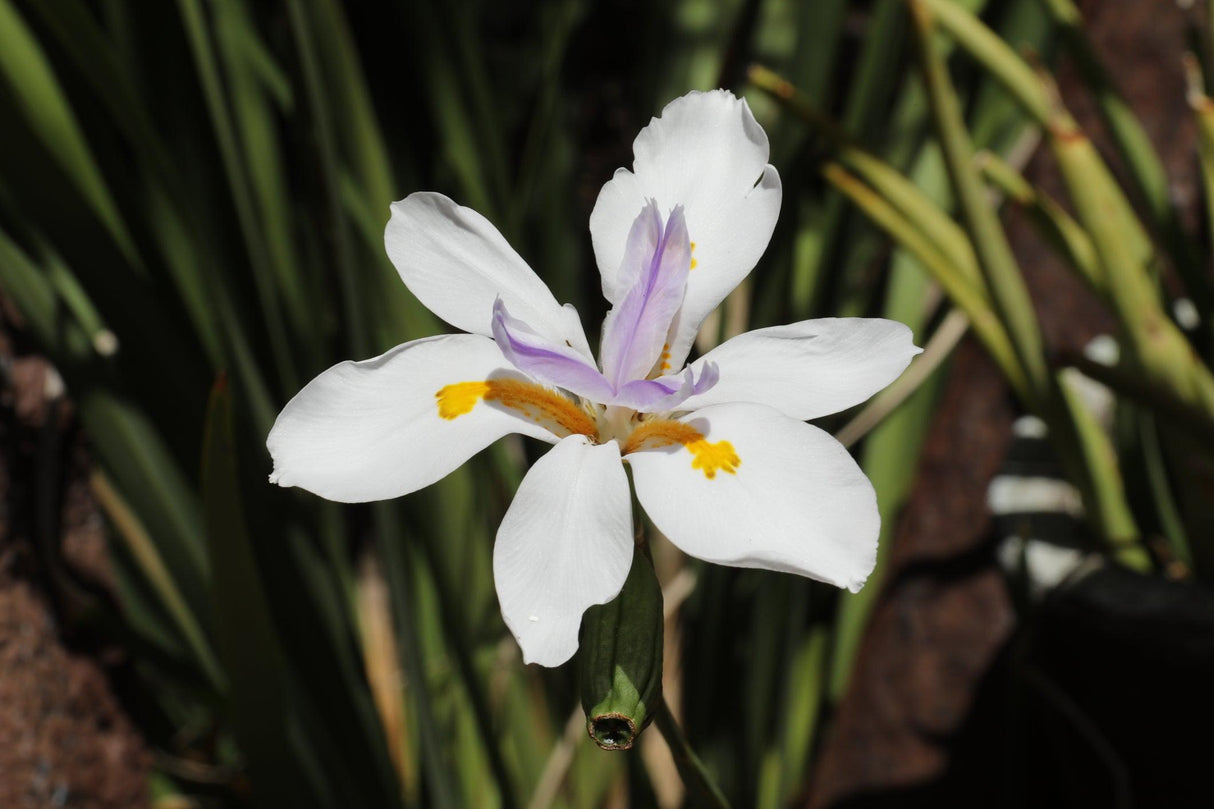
[{"x": 722, "y": 459}]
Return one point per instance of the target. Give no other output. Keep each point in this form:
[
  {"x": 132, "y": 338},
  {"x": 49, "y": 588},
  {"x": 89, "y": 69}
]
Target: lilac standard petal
[
  {"x": 666, "y": 392},
  {"x": 545, "y": 360},
  {"x": 644, "y": 238},
  {"x": 635, "y": 329},
  {"x": 706, "y": 153}
]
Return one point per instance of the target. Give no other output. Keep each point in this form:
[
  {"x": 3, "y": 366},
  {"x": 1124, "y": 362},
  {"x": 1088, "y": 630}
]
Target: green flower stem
[
  {"x": 1057, "y": 226},
  {"x": 695, "y": 776},
  {"x": 1171, "y": 521},
  {"x": 1083, "y": 448},
  {"x": 1118, "y": 238},
  {"x": 1179, "y": 415},
  {"x": 1037, "y": 97},
  {"x": 993, "y": 53},
  {"x": 1144, "y": 168},
  {"x": 906, "y": 197},
  {"x": 1088, "y": 456},
  {"x": 619, "y": 658},
  {"x": 995, "y": 257},
  {"x": 985, "y": 324},
  {"x": 1158, "y": 347},
  {"x": 1203, "y": 114},
  {"x": 1109, "y": 213}
]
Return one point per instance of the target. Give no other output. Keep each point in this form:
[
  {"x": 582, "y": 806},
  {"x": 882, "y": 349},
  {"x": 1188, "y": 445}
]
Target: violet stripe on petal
[
  {"x": 635, "y": 330},
  {"x": 545, "y": 360},
  {"x": 667, "y": 392}
]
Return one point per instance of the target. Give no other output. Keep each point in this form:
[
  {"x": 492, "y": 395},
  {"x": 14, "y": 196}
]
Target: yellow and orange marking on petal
[
  {"x": 458, "y": 399},
  {"x": 707, "y": 456},
  {"x": 664, "y": 359},
  {"x": 534, "y": 402},
  {"x": 693, "y": 258}
]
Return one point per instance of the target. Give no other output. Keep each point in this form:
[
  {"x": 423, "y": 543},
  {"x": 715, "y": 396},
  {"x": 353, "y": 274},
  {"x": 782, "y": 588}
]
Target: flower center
[{"x": 563, "y": 417}]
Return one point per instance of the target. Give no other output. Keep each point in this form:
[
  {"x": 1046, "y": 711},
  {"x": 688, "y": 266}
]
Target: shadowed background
[{"x": 192, "y": 201}]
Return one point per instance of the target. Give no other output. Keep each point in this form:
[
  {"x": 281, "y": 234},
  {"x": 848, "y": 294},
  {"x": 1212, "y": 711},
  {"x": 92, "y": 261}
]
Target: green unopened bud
[{"x": 620, "y": 659}]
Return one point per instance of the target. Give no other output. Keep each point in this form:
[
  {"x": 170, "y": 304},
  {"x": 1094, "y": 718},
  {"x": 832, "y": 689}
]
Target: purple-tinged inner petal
[
  {"x": 666, "y": 392},
  {"x": 656, "y": 261},
  {"x": 547, "y": 361}
]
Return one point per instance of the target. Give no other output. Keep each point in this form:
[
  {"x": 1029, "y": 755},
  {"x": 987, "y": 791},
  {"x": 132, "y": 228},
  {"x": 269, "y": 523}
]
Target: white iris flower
[{"x": 722, "y": 459}]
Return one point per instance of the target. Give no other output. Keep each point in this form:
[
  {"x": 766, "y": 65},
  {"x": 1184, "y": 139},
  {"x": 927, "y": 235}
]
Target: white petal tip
[{"x": 547, "y": 660}]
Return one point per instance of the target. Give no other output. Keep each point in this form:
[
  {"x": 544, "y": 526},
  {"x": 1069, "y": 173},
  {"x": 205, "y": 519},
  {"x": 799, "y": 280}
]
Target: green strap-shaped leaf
[
  {"x": 246, "y": 639},
  {"x": 24, "y": 67}
]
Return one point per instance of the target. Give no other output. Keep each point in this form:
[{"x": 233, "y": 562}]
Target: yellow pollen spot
[
  {"x": 708, "y": 457},
  {"x": 458, "y": 399},
  {"x": 693, "y": 259},
  {"x": 535, "y": 402}
]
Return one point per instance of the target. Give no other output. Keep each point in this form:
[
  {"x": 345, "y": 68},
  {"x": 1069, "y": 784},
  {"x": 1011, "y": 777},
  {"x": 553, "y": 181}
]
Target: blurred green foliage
[{"x": 192, "y": 199}]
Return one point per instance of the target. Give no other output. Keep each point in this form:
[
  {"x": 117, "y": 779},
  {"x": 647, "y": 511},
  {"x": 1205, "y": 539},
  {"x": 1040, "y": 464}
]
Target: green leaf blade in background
[
  {"x": 248, "y": 645},
  {"x": 37, "y": 92}
]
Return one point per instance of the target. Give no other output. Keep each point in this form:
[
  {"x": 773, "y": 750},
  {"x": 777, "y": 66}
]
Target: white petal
[
  {"x": 457, "y": 264},
  {"x": 371, "y": 430},
  {"x": 565, "y": 544},
  {"x": 707, "y": 153},
  {"x": 808, "y": 369},
  {"x": 795, "y": 501}
]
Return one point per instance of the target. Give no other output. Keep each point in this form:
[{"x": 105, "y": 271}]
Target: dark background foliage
[{"x": 192, "y": 200}]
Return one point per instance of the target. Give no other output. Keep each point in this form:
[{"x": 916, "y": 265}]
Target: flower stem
[{"x": 695, "y": 776}]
